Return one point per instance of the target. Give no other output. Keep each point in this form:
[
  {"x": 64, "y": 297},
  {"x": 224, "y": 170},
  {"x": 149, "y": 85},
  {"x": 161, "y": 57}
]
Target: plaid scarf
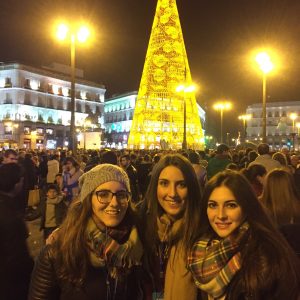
[
  {"x": 214, "y": 263},
  {"x": 116, "y": 248}
]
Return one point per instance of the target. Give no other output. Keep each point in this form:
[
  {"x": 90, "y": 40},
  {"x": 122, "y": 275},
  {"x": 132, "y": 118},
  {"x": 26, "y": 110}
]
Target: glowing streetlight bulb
[
  {"x": 264, "y": 62},
  {"x": 62, "y": 31},
  {"x": 83, "y": 34}
]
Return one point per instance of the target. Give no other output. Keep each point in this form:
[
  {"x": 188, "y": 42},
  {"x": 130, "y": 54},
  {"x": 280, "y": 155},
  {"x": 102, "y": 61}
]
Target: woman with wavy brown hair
[
  {"x": 96, "y": 251},
  {"x": 238, "y": 253}
]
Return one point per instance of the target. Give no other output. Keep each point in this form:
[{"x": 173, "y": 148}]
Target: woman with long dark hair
[
  {"x": 238, "y": 253},
  {"x": 281, "y": 198},
  {"x": 255, "y": 175},
  {"x": 172, "y": 203},
  {"x": 96, "y": 250}
]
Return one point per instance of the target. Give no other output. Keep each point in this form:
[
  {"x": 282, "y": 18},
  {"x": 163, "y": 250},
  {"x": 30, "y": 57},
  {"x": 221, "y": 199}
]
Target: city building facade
[
  {"x": 282, "y": 123},
  {"x": 118, "y": 115},
  {"x": 35, "y": 106}
]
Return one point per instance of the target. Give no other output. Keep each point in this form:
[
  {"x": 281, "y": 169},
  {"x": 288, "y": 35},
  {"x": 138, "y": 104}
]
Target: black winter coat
[
  {"x": 15, "y": 262},
  {"x": 46, "y": 285}
]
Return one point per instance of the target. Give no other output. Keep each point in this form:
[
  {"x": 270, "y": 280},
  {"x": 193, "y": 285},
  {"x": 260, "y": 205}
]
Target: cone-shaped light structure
[{"x": 159, "y": 119}]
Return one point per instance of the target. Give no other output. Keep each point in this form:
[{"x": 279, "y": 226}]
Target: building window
[
  {"x": 27, "y": 130},
  {"x": 39, "y": 131},
  {"x": 8, "y": 82},
  {"x": 49, "y": 131}
]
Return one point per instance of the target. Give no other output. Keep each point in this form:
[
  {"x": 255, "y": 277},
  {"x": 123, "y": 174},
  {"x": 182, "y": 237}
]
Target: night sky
[{"x": 219, "y": 36}]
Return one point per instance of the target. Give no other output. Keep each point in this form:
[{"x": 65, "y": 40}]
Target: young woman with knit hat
[
  {"x": 238, "y": 253},
  {"x": 96, "y": 252},
  {"x": 172, "y": 203}
]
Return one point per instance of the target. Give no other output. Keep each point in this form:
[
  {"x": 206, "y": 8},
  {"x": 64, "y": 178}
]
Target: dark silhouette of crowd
[{"x": 153, "y": 221}]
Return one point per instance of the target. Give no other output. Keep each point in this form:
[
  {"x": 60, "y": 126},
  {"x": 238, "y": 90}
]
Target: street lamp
[
  {"x": 221, "y": 106},
  {"x": 293, "y": 117},
  {"x": 80, "y": 34},
  {"x": 245, "y": 118},
  {"x": 185, "y": 89},
  {"x": 266, "y": 66}
]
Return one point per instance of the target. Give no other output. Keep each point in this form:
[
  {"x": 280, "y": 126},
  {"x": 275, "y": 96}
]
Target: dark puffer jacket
[
  {"x": 46, "y": 285},
  {"x": 15, "y": 262}
]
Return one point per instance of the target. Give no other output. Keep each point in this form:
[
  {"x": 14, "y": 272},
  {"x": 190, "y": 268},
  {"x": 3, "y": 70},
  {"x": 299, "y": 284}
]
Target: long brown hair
[
  {"x": 268, "y": 262},
  {"x": 280, "y": 197},
  {"x": 151, "y": 209},
  {"x": 71, "y": 251}
]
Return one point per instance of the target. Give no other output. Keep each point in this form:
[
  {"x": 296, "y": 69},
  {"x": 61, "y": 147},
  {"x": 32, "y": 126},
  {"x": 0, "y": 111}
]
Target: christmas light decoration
[{"x": 159, "y": 119}]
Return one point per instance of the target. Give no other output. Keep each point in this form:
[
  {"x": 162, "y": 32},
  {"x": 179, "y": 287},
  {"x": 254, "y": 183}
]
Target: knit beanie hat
[{"x": 100, "y": 174}]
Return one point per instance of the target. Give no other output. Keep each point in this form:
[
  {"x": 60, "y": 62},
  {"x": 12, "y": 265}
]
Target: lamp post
[
  {"x": 221, "y": 106},
  {"x": 264, "y": 62},
  {"x": 298, "y": 132},
  {"x": 80, "y": 35},
  {"x": 185, "y": 89},
  {"x": 293, "y": 117},
  {"x": 245, "y": 118}
]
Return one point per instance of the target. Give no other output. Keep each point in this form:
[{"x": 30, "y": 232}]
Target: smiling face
[
  {"x": 223, "y": 211},
  {"x": 172, "y": 192},
  {"x": 111, "y": 214}
]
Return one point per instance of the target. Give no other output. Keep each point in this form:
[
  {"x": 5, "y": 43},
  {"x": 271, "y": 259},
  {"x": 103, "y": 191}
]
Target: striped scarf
[
  {"x": 213, "y": 263},
  {"x": 116, "y": 248}
]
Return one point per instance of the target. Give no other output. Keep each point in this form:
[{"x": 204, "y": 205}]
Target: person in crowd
[
  {"x": 232, "y": 166},
  {"x": 36, "y": 163},
  {"x": 53, "y": 168},
  {"x": 109, "y": 157},
  {"x": 255, "y": 175},
  {"x": 238, "y": 253},
  {"x": 10, "y": 156},
  {"x": 143, "y": 170},
  {"x": 71, "y": 174},
  {"x": 244, "y": 159},
  {"x": 295, "y": 167},
  {"x": 96, "y": 251},
  {"x": 286, "y": 152},
  {"x": 200, "y": 171},
  {"x": 172, "y": 203},
  {"x": 281, "y": 198},
  {"x": 281, "y": 158},
  {"x": 15, "y": 261},
  {"x": 43, "y": 171},
  {"x": 203, "y": 158},
  {"x": 30, "y": 180},
  {"x": 219, "y": 162},
  {"x": 295, "y": 162},
  {"x": 53, "y": 210},
  {"x": 265, "y": 158},
  {"x": 83, "y": 160},
  {"x": 252, "y": 155},
  {"x": 93, "y": 161},
  {"x": 131, "y": 171},
  {"x": 59, "y": 181},
  {"x": 282, "y": 201}
]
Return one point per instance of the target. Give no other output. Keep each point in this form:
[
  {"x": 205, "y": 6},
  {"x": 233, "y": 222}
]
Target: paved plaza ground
[{"x": 35, "y": 240}]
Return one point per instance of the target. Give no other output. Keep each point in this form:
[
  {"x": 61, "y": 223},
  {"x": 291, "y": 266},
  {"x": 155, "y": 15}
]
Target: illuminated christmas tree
[{"x": 158, "y": 119}]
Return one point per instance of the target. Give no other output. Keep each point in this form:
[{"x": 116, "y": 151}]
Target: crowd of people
[{"x": 122, "y": 224}]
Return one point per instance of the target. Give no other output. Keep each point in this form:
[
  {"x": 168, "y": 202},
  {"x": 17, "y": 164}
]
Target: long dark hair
[
  {"x": 267, "y": 258},
  {"x": 151, "y": 209},
  {"x": 281, "y": 198}
]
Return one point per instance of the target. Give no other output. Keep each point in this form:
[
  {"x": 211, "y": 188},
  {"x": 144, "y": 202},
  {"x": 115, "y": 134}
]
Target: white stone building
[
  {"x": 281, "y": 129},
  {"x": 35, "y": 105}
]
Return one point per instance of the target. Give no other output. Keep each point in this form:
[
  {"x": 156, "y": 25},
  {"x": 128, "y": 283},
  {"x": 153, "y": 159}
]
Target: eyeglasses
[{"x": 105, "y": 196}]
